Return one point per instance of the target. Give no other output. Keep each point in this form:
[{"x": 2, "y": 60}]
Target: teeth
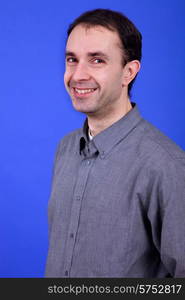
[{"x": 79, "y": 91}]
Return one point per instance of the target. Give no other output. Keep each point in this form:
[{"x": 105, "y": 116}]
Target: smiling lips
[{"x": 83, "y": 91}]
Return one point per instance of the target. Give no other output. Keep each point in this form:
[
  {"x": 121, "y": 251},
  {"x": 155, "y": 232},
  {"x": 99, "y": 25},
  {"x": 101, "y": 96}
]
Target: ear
[{"x": 130, "y": 70}]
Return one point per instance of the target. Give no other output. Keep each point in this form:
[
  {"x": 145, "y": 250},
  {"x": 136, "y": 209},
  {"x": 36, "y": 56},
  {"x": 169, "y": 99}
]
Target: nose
[{"x": 81, "y": 72}]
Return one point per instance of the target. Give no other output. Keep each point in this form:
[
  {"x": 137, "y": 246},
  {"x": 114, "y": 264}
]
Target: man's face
[{"x": 94, "y": 70}]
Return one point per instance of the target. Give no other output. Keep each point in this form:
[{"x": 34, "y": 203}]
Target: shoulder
[
  {"x": 155, "y": 142},
  {"x": 70, "y": 137},
  {"x": 69, "y": 142},
  {"x": 159, "y": 148},
  {"x": 163, "y": 164}
]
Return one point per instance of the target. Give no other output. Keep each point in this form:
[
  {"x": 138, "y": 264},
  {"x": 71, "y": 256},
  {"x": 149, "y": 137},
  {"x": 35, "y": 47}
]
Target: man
[{"x": 117, "y": 207}]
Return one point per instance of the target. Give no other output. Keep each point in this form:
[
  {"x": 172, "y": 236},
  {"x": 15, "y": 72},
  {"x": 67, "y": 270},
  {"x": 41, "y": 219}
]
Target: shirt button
[
  {"x": 102, "y": 154},
  {"x": 72, "y": 235},
  {"x": 66, "y": 273}
]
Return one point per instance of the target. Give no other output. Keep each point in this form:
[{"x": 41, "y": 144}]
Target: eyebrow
[
  {"x": 69, "y": 53},
  {"x": 89, "y": 54}
]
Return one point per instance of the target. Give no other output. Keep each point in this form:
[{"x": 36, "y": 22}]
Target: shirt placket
[{"x": 84, "y": 169}]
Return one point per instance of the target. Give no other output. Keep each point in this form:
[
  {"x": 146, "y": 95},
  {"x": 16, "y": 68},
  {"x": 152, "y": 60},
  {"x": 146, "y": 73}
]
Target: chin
[{"x": 84, "y": 108}]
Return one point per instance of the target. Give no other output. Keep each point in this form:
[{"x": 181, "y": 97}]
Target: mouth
[{"x": 80, "y": 92}]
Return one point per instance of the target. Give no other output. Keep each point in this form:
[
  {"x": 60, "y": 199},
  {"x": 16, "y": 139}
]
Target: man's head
[{"x": 106, "y": 47}]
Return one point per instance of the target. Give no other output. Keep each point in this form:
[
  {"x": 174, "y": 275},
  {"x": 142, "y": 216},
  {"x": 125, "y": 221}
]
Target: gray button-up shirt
[{"x": 117, "y": 206}]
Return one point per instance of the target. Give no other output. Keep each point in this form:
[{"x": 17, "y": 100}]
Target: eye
[
  {"x": 98, "y": 61},
  {"x": 71, "y": 59}
]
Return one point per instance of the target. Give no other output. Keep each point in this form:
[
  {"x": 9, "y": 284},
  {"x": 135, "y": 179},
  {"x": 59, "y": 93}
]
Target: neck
[{"x": 98, "y": 123}]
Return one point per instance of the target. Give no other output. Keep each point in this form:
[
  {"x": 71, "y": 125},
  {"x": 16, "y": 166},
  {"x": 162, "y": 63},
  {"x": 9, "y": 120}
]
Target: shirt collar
[{"x": 108, "y": 138}]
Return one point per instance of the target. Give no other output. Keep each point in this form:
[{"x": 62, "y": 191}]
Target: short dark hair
[{"x": 130, "y": 37}]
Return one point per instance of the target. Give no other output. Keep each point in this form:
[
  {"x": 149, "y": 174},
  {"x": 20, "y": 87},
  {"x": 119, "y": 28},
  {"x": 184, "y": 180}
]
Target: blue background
[{"x": 35, "y": 110}]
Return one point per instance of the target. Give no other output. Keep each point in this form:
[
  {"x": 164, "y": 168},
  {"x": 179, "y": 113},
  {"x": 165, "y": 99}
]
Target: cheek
[
  {"x": 67, "y": 76},
  {"x": 116, "y": 79},
  {"x": 108, "y": 80}
]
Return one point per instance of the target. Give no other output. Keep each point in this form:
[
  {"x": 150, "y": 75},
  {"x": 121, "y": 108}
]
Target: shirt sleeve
[
  {"x": 169, "y": 216},
  {"x": 51, "y": 202}
]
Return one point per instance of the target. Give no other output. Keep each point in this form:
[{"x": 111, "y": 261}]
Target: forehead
[{"x": 83, "y": 38}]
